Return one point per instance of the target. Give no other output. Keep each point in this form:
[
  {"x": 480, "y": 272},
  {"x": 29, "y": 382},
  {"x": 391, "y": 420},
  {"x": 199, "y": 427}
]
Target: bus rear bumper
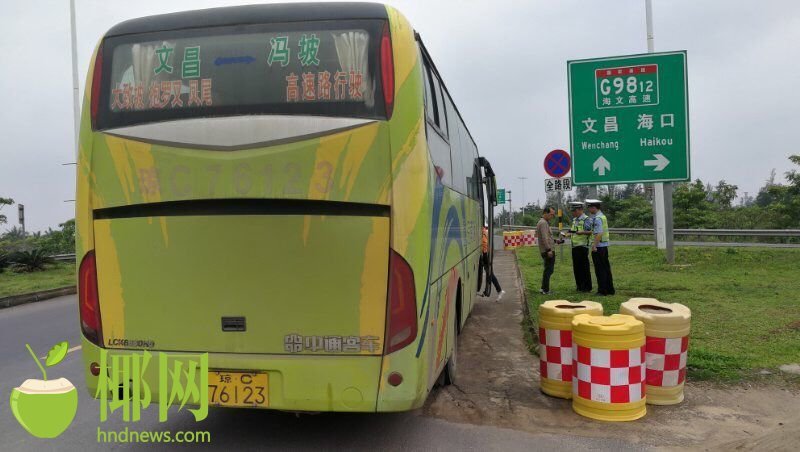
[{"x": 295, "y": 382}]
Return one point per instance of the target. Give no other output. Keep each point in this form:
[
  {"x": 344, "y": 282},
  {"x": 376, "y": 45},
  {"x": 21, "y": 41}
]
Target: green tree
[
  {"x": 529, "y": 220},
  {"x": 793, "y": 176},
  {"x": 15, "y": 234},
  {"x": 724, "y": 193},
  {"x": 58, "y": 241},
  {"x": 691, "y": 207},
  {"x": 5, "y": 202},
  {"x": 581, "y": 192}
]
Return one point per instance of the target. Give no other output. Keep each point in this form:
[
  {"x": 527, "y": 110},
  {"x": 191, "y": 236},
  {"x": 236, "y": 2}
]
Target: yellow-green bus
[{"x": 288, "y": 188}]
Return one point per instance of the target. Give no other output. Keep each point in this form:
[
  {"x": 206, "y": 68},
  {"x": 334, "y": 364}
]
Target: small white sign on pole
[{"x": 558, "y": 184}]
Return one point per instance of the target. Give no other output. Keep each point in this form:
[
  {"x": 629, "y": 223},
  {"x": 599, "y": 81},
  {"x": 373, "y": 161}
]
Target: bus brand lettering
[
  {"x": 296, "y": 343},
  {"x": 138, "y": 343}
]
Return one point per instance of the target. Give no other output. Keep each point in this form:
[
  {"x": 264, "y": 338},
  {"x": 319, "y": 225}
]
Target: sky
[{"x": 503, "y": 61}]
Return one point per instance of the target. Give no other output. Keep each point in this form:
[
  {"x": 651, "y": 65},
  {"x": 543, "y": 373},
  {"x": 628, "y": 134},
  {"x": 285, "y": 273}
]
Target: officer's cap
[
  {"x": 575, "y": 205},
  {"x": 593, "y": 202}
]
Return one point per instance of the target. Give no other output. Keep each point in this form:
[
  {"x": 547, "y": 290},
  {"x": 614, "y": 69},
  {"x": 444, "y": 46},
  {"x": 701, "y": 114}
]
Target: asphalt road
[{"x": 46, "y": 323}]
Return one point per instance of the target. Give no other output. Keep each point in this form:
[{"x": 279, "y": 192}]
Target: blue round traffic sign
[{"x": 557, "y": 163}]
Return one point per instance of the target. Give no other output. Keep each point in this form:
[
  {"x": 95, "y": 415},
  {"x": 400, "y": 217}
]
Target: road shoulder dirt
[{"x": 498, "y": 385}]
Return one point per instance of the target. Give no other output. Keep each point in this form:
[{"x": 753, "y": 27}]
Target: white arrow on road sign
[
  {"x": 660, "y": 162},
  {"x": 601, "y": 165}
]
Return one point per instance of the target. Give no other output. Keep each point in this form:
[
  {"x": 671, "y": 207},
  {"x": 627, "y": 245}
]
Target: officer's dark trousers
[
  {"x": 549, "y": 267},
  {"x": 581, "y": 269},
  {"x": 602, "y": 269}
]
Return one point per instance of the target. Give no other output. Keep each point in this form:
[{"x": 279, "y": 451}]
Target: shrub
[
  {"x": 29, "y": 261},
  {"x": 4, "y": 261}
]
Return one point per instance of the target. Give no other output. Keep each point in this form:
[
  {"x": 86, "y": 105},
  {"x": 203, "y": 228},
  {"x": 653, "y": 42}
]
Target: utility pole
[
  {"x": 662, "y": 196},
  {"x": 523, "y": 195},
  {"x": 76, "y": 108},
  {"x": 510, "y": 210},
  {"x": 21, "y": 214}
]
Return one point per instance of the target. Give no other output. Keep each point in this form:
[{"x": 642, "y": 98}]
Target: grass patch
[
  {"x": 745, "y": 302},
  {"x": 56, "y": 275}
]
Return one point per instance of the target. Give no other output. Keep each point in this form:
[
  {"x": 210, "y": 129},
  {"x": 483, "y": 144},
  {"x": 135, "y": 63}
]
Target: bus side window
[
  {"x": 456, "y": 145},
  {"x": 430, "y": 105},
  {"x": 437, "y": 146},
  {"x": 441, "y": 120},
  {"x": 475, "y": 181}
]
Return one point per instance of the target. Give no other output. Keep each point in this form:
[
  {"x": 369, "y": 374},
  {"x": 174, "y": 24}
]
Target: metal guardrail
[
  {"x": 63, "y": 257},
  {"x": 779, "y": 233},
  {"x": 776, "y": 233}
]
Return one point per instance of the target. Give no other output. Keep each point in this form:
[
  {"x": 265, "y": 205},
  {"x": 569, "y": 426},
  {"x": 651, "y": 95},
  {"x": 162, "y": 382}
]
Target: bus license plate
[{"x": 237, "y": 389}]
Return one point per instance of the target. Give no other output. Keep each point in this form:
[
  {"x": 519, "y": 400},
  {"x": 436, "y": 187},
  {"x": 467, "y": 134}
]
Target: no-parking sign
[{"x": 557, "y": 163}]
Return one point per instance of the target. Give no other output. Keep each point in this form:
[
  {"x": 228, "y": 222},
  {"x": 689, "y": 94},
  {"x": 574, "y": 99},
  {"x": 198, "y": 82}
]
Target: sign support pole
[
  {"x": 510, "y": 210},
  {"x": 76, "y": 109},
  {"x": 662, "y": 196}
]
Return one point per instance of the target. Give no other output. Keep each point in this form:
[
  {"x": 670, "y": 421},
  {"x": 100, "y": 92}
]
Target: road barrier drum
[
  {"x": 555, "y": 344},
  {"x": 609, "y": 371},
  {"x": 666, "y": 326},
  {"x": 529, "y": 237},
  {"x": 512, "y": 240}
]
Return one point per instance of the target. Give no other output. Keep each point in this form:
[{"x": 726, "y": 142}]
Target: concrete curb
[
  {"x": 525, "y": 308},
  {"x": 527, "y": 322},
  {"x": 33, "y": 297}
]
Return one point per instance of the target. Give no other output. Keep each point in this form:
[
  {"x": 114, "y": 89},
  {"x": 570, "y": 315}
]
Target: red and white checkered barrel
[
  {"x": 512, "y": 240},
  {"x": 666, "y": 326},
  {"x": 529, "y": 237},
  {"x": 555, "y": 343},
  {"x": 608, "y": 359}
]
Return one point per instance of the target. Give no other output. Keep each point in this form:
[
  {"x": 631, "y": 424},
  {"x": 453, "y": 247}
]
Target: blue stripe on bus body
[
  {"x": 451, "y": 233},
  {"x": 438, "y": 194}
]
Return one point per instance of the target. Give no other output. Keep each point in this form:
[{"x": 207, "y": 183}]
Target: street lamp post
[{"x": 523, "y": 196}]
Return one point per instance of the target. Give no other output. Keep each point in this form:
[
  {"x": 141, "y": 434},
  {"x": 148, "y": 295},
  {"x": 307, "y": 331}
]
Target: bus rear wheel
[
  {"x": 448, "y": 375},
  {"x": 451, "y": 368}
]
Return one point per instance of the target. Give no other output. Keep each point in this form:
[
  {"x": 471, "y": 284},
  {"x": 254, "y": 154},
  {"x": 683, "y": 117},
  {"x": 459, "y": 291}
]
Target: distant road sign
[
  {"x": 501, "y": 196},
  {"x": 551, "y": 185},
  {"x": 629, "y": 119},
  {"x": 557, "y": 163}
]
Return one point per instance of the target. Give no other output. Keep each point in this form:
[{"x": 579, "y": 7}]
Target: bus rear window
[{"x": 310, "y": 68}]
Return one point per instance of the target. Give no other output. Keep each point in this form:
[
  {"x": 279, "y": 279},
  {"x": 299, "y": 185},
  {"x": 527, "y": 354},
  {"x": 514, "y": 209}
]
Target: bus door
[{"x": 489, "y": 186}]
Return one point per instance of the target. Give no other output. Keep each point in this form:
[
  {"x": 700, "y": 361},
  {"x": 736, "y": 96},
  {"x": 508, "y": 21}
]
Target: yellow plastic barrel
[
  {"x": 608, "y": 356},
  {"x": 666, "y": 326},
  {"x": 555, "y": 344},
  {"x": 512, "y": 240}
]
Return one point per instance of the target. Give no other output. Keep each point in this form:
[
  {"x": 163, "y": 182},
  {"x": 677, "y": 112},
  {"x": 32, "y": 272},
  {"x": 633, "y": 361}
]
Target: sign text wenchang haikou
[{"x": 629, "y": 119}]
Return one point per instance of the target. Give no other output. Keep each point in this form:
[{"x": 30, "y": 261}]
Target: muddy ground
[{"x": 498, "y": 385}]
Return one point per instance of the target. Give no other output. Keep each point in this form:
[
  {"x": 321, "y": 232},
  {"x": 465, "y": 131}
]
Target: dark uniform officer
[
  {"x": 602, "y": 267},
  {"x": 581, "y": 237}
]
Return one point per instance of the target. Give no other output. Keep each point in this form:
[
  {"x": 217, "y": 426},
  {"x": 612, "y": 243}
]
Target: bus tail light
[
  {"x": 96, "y": 77},
  {"x": 387, "y": 70},
  {"x": 402, "y": 321},
  {"x": 89, "y": 301}
]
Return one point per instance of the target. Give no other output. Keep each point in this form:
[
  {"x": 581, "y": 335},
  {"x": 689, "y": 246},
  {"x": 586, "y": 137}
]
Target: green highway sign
[
  {"x": 629, "y": 119},
  {"x": 501, "y": 195}
]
